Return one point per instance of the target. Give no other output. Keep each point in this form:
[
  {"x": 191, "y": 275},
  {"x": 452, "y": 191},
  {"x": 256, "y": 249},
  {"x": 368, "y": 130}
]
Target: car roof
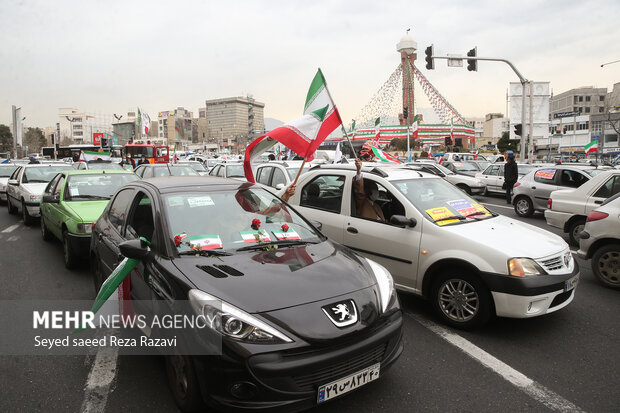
[
  {"x": 95, "y": 171},
  {"x": 171, "y": 184},
  {"x": 42, "y": 165},
  {"x": 387, "y": 171}
]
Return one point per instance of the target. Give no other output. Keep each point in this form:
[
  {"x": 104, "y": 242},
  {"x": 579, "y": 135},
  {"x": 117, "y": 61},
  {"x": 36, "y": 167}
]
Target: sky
[{"x": 113, "y": 56}]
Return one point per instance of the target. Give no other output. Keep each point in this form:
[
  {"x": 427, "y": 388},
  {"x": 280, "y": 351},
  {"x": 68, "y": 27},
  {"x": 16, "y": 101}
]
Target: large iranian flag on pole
[
  {"x": 591, "y": 147},
  {"x": 304, "y": 134},
  {"x": 415, "y": 127}
]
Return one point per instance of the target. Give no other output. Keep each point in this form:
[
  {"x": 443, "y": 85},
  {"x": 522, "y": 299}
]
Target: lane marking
[
  {"x": 533, "y": 389},
  {"x": 100, "y": 379},
  {"x": 12, "y": 238},
  {"x": 11, "y": 228}
]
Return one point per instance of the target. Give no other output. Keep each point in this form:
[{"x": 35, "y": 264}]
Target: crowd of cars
[{"x": 304, "y": 291}]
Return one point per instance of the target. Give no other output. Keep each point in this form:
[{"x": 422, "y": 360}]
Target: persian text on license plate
[
  {"x": 571, "y": 283},
  {"x": 346, "y": 384}
]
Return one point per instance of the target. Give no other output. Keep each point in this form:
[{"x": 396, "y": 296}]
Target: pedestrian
[
  {"x": 33, "y": 160},
  {"x": 511, "y": 174},
  {"x": 271, "y": 157},
  {"x": 366, "y": 194},
  {"x": 142, "y": 160}
]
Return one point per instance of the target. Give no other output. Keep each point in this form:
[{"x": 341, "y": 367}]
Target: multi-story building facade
[
  {"x": 580, "y": 101},
  {"x": 606, "y": 129},
  {"x": 174, "y": 127},
  {"x": 567, "y": 134},
  {"x": 478, "y": 125},
  {"x": 233, "y": 122},
  {"x": 77, "y": 126},
  {"x": 495, "y": 124}
]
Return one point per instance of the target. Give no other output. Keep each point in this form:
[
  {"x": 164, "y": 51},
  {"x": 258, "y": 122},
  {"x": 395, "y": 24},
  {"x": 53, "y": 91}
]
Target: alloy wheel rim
[
  {"x": 609, "y": 267},
  {"x": 522, "y": 206},
  {"x": 577, "y": 230},
  {"x": 458, "y": 300}
]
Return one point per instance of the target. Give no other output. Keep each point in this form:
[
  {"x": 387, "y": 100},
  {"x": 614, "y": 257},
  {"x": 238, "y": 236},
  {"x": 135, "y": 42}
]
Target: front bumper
[
  {"x": 288, "y": 380},
  {"x": 79, "y": 243},
  {"x": 33, "y": 208},
  {"x": 557, "y": 219},
  {"x": 524, "y": 297},
  {"x": 3, "y": 196}
]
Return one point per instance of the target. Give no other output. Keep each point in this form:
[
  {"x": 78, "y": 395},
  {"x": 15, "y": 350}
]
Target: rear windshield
[
  {"x": 6, "y": 171},
  {"x": 234, "y": 171},
  {"x": 102, "y": 166},
  {"x": 95, "y": 186},
  {"x": 43, "y": 174}
]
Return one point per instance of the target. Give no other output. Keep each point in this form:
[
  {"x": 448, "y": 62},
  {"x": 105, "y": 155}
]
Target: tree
[
  {"x": 34, "y": 139},
  {"x": 506, "y": 144},
  {"x": 6, "y": 139},
  {"x": 398, "y": 144}
]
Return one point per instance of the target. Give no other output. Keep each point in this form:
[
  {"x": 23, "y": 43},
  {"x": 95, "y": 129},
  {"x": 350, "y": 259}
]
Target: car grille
[
  {"x": 338, "y": 370},
  {"x": 553, "y": 264}
]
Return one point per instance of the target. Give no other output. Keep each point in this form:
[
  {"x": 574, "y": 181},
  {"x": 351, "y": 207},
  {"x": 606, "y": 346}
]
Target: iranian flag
[
  {"x": 205, "y": 242},
  {"x": 414, "y": 127},
  {"x": 377, "y": 130},
  {"x": 591, "y": 147},
  {"x": 88, "y": 156},
  {"x": 143, "y": 121},
  {"x": 304, "y": 134},
  {"x": 383, "y": 156}
]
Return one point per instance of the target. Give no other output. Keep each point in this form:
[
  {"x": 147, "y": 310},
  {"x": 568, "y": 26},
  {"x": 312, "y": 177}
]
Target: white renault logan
[{"x": 440, "y": 243}]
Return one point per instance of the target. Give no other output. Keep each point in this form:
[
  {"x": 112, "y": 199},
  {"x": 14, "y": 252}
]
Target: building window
[
  {"x": 600, "y": 110},
  {"x": 575, "y": 108},
  {"x": 587, "y": 110},
  {"x": 587, "y": 98},
  {"x": 583, "y": 125},
  {"x": 580, "y": 109},
  {"x": 581, "y": 98},
  {"x": 576, "y": 99},
  {"x": 601, "y": 98}
]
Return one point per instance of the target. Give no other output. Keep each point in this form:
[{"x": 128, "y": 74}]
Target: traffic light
[
  {"x": 447, "y": 141},
  {"x": 406, "y": 112},
  {"x": 518, "y": 129},
  {"x": 430, "y": 63},
  {"x": 472, "y": 64}
]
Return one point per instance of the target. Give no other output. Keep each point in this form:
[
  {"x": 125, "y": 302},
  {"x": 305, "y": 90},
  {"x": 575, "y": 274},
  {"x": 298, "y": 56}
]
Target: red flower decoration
[
  {"x": 284, "y": 227},
  {"x": 178, "y": 239},
  {"x": 255, "y": 224}
]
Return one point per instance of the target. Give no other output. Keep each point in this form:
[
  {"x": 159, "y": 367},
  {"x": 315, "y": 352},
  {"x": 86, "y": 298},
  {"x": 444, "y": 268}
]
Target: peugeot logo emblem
[
  {"x": 341, "y": 313},
  {"x": 567, "y": 258}
]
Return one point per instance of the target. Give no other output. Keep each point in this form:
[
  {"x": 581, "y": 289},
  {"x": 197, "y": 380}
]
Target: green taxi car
[{"x": 72, "y": 201}]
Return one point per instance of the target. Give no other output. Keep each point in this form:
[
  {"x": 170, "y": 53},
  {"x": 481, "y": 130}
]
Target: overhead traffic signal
[
  {"x": 518, "y": 129},
  {"x": 406, "y": 112},
  {"x": 430, "y": 63},
  {"x": 472, "y": 64}
]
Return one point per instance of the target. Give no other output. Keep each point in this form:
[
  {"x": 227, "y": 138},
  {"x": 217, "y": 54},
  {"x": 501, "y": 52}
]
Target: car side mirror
[
  {"x": 279, "y": 186},
  {"x": 316, "y": 224},
  {"x": 13, "y": 182},
  {"x": 51, "y": 199},
  {"x": 134, "y": 248},
  {"x": 403, "y": 221}
]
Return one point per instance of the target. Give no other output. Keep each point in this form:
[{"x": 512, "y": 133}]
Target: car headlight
[
  {"x": 524, "y": 267},
  {"x": 35, "y": 198},
  {"x": 385, "y": 283},
  {"x": 85, "y": 228},
  {"x": 232, "y": 322}
]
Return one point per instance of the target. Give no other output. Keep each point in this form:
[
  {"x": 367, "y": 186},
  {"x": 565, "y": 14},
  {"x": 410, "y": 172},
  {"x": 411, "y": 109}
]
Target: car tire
[
  {"x": 461, "y": 300},
  {"x": 485, "y": 192},
  {"x": 69, "y": 255},
  {"x": 45, "y": 233},
  {"x": 523, "y": 207},
  {"x": 183, "y": 383},
  {"x": 606, "y": 265},
  {"x": 574, "y": 229},
  {"x": 28, "y": 219},
  {"x": 12, "y": 209},
  {"x": 465, "y": 189}
]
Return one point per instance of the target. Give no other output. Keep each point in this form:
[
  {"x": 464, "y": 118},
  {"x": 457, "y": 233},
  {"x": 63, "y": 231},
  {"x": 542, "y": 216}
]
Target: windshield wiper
[
  {"x": 459, "y": 217},
  {"x": 219, "y": 253},
  {"x": 282, "y": 243}
]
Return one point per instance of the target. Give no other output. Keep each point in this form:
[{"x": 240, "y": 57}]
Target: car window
[
  {"x": 148, "y": 172},
  {"x": 42, "y": 174},
  {"x": 15, "y": 174},
  {"x": 104, "y": 166},
  {"x": 386, "y": 200},
  {"x": 182, "y": 171},
  {"x": 492, "y": 170},
  {"x": 609, "y": 188},
  {"x": 140, "y": 222},
  {"x": 545, "y": 176},
  {"x": 213, "y": 171},
  {"x": 278, "y": 177},
  {"x": 292, "y": 172},
  {"x": 96, "y": 186},
  {"x": 234, "y": 171},
  {"x": 324, "y": 192},
  {"x": 572, "y": 179},
  {"x": 50, "y": 187},
  {"x": 263, "y": 175},
  {"x": 59, "y": 186},
  {"x": 160, "y": 171},
  {"x": 118, "y": 209}
]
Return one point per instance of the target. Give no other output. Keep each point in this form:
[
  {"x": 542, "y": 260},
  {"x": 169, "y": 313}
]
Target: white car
[
  {"x": 26, "y": 186},
  {"x": 228, "y": 170},
  {"x": 441, "y": 244},
  {"x": 466, "y": 183},
  {"x": 600, "y": 240},
  {"x": 278, "y": 174},
  {"x": 568, "y": 209},
  {"x": 6, "y": 170}
]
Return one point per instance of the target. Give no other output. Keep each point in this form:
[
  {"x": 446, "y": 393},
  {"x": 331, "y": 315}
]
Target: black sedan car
[{"x": 302, "y": 320}]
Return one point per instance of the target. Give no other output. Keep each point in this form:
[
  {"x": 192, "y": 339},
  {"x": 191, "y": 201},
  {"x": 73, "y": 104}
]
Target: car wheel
[
  {"x": 461, "y": 299},
  {"x": 524, "y": 207},
  {"x": 12, "y": 209},
  {"x": 606, "y": 265},
  {"x": 465, "y": 189},
  {"x": 28, "y": 219},
  {"x": 70, "y": 257},
  {"x": 183, "y": 383},
  {"x": 574, "y": 229},
  {"x": 485, "y": 192},
  {"x": 45, "y": 233}
]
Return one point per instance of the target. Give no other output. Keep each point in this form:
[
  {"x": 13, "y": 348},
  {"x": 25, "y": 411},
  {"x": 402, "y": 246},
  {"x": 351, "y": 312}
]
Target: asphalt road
[{"x": 568, "y": 360}]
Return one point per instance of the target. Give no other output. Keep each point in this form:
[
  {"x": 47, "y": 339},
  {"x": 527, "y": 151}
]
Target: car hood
[
  {"x": 466, "y": 179},
  {"x": 467, "y": 173},
  {"x": 509, "y": 237},
  {"x": 261, "y": 281},
  {"x": 87, "y": 211},
  {"x": 35, "y": 188}
]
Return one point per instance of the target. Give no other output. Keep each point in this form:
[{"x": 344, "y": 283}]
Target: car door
[
  {"x": 543, "y": 183},
  {"x": 278, "y": 179},
  {"x": 54, "y": 212},
  {"x": 45, "y": 207},
  {"x": 263, "y": 175},
  {"x": 394, "y": 247},
  {"x": 11, "y": 189},
  {"x": 111, "y": 227},
  {"x": 608, "y": 189},
  {"x": 489, "y": 177}
]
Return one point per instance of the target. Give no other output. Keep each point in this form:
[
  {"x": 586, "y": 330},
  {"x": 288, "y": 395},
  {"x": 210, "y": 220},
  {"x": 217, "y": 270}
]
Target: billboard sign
[{"x": 97, "y": 138}]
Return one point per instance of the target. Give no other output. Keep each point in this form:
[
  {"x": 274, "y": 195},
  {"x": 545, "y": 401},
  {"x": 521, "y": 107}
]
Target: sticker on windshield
[
  {"x": 545, "y": 173},
  {"x": 74, "y": 191},
  {"x": 175, "y": 201},
  {"x": 205, "y": 242},
  {"x": 441, "y": 213},
  {"x": 462, "y": 207},
  {"x": 281, "y": 234},
  {"x": 254, "y": 236},
  {"x": 198, "y": 201},
  {"x": 458, "y": 164},
  {"x": 482, "y": 209}
]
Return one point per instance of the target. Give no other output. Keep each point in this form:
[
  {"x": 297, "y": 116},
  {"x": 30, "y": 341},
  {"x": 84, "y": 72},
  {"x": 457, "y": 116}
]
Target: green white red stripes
[
  {"x": 92, "y": 156},
  {"x": 383, "y": 156},
  {"x": 591, "y": 147}
]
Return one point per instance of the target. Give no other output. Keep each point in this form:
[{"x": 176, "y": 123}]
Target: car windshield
[
  {"x": 234, "y": 171},
  {"x": 95, "y": 186},
  {"x": 43, "y": 174},
  {"x": 463, "y": 166},
  {"x": 443, "y": 169},
  {"x": 196, "y": 166},
  {"x": 441, "y": 202},
  {"x": 233, "y": 219},
  {"x": 525, "y": 169},
  {"x": 593, "y": 172},
  {"x": 480, "y": 165},
  {"x": 292, "y": 172},
  {"x": 6, "y": 171},
  {"x": 138, "y": 151},
  {"x": 101, "y": 166}
]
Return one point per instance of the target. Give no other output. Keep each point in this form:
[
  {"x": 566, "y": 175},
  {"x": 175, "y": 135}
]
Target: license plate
[
  {"x": 346, "y": 384},
  {"x": 572, "y": 283}
]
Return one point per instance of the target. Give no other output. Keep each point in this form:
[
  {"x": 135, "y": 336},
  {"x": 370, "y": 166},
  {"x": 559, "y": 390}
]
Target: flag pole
[
  {"x": 341, "y": 125},
  {"x": 349, "y": 140}
]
